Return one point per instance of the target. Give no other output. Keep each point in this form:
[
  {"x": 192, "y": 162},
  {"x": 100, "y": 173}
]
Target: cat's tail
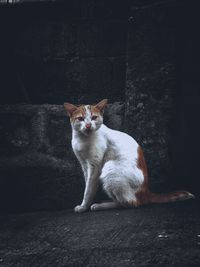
[
  {"x": 147, "y": 197},
  {"x": 170, "y": 197}
]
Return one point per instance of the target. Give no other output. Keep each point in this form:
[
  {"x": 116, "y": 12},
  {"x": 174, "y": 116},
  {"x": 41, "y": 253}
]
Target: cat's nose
[{"x": 88, "y": 125}]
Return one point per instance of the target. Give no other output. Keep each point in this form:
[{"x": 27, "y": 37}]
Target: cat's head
[{"x": 86, "y": 118}]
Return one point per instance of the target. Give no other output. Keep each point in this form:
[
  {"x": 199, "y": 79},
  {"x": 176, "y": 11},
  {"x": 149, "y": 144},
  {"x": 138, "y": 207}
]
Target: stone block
[
  {"x": 46, "y": 40},
  {"x": 85, "y": 80},
  {"x": 102, "y": 38},
  {"x": 102, "y": 78}
]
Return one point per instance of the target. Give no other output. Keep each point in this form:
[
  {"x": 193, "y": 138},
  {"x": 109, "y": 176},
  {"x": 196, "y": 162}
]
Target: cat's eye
[
  {"x": 94, "y": 117},
  {"x": 80, "y": 118}
]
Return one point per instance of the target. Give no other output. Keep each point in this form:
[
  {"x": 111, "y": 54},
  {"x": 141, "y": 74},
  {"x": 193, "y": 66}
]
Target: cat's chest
[{"x": 89, "y": 148}]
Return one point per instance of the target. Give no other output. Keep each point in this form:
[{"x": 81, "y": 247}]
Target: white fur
[{"x": 111, "y": 157}]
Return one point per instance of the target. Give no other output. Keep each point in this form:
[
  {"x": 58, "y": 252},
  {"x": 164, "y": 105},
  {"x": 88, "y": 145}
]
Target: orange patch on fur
[
  {"x": 95, "y": 111},
  {"x": 143, "y": 194},
  {"x": 79, "y": 112},
  {"x": 141, "y": 164}
]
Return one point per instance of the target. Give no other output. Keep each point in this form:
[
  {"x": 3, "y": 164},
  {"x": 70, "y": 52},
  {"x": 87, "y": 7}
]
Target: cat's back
[{"x": 120, "y": 141}]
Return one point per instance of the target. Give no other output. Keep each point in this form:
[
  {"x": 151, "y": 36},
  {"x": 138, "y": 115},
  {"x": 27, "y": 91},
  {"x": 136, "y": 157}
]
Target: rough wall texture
[
  {"x": 38, "y": 169},
  {"x": 150, "y": 87},
  {"x": 67, "y": 50}
]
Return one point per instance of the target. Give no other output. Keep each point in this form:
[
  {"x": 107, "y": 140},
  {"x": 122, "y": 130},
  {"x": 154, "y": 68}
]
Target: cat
[{"x": 112, "y": 157}]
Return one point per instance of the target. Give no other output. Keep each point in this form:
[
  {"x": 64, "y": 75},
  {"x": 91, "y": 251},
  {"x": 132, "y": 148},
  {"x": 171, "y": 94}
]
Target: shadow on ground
[{"x": 159, "y": 235}]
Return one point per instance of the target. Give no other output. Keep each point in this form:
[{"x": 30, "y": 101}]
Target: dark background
[{"x": 141, "y": 55}]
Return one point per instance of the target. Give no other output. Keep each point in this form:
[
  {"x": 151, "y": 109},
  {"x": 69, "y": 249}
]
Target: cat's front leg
[
  {"x": 90, "y": 190},
  {"x": 83, "y": 165}
]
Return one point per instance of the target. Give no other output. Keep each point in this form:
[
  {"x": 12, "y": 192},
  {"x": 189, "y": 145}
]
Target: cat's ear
[
  {"x": 70, "y": 108},
  {"x": 102, "y": 104}
]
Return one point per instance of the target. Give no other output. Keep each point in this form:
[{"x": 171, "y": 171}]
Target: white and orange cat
[{"x": 112, "y": 157}]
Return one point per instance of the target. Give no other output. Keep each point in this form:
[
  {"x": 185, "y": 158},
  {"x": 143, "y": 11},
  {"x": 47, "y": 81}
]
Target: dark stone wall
[
  {"x": 150, "y": 87},
  {"x": 63, "y": 51}
]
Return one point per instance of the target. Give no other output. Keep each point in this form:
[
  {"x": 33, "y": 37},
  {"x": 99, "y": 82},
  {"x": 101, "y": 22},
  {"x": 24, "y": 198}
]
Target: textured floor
[{"x": 159, "y": 235}]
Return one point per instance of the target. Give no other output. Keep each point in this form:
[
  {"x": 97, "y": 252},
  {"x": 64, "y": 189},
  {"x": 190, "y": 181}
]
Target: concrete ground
[{"x": 156, "y": 235}]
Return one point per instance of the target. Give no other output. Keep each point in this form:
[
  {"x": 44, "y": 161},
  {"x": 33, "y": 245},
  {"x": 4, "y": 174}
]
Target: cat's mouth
[{"x": 88, "y": 131}]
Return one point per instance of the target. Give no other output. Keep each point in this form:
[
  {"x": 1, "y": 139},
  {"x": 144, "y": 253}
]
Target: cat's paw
[
  {"x": 80, "y": 208},
  {"x": 94, "y": 207}
]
